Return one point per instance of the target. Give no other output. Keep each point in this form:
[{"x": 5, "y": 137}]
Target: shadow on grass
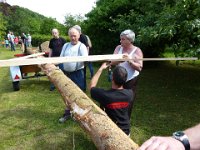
[{"x": 167, "y": 100}]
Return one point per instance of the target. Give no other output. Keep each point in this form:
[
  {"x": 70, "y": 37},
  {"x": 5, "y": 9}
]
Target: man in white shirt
[{"x": 74, "y": 70}]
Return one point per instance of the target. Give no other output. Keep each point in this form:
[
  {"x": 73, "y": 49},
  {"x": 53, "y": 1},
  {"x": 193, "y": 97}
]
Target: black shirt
[
  {"x": 56, "y": 46},
  {"x": 83, "y": 39},
  {"x": 116, "y": 104}
]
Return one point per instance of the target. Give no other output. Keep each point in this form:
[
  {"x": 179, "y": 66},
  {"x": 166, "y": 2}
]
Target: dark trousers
[
  {"x": 85, "y": 74},
  {"x": 131, "y": 84},
  {"x": 12, "y": 46},
  {"x": 77, "y": 77},
  {"x": 91, "y": 69}
]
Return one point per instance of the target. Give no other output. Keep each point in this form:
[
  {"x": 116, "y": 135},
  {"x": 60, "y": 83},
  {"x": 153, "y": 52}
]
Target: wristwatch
[{"x": 180, "y": 136}]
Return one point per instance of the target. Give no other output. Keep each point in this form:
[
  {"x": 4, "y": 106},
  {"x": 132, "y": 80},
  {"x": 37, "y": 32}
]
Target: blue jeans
[
  {"x": 77, "y": 77},
  {"x": 91, "y": 69},
  {"x": 12, "y": 46}
]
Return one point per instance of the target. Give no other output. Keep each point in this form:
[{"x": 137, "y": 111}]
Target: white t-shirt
[{"x": 73, "y": 50}]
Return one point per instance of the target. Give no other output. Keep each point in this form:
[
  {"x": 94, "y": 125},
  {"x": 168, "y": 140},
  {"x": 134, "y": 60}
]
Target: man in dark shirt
[
  {"x": 56, "y": 44},
  {"x": 55, "y": 47},
  {"x": 116, "y": 100}
]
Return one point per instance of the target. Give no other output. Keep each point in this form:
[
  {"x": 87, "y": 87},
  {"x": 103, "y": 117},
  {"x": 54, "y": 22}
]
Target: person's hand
[
  {"x": 162, "y": 143},
  {"x": 126, "y": 56},
  {"x": 105, "y": 65}
]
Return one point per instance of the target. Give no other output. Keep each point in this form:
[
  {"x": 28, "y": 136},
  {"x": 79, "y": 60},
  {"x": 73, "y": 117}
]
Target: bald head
[{"x": 55, "y": 33}]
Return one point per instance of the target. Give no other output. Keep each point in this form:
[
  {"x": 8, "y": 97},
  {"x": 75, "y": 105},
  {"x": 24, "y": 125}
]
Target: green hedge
[{"x": 38, "y": 39}]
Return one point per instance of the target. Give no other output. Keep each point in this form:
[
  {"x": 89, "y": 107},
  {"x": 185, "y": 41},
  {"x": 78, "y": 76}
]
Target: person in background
[
  {"x": 11, "y": 38},
  {"x": 116, "y": 100},
  {"x": 29, "y": 39},
  {"x": 180, "y": 140},
  {"x": 20, "y": 42},
  {"x": 89, "y": 53},
  {"x": 7, "y": 43},
  {"x": 83, "y": 39},
  {"x": 73, "y": 70},
  {"x": 24, "y": 45},
  {"x": 16, "y": 41},
  {"x": 133, "y": 66},
  {"x": 55, "y": 47}
]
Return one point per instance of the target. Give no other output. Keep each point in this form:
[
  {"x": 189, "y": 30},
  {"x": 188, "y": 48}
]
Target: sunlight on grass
[{"x": 167, "y": 100}]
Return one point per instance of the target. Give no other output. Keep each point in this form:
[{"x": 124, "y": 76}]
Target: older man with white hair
[{"x": 73, "y": 70}]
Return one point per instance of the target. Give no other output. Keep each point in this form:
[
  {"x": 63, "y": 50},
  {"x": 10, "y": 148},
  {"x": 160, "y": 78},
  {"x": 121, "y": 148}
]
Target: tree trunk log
[{"x": 104, "y": 132}]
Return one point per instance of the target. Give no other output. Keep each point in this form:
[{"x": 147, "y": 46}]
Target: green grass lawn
[{"x": 167, "y": 100}]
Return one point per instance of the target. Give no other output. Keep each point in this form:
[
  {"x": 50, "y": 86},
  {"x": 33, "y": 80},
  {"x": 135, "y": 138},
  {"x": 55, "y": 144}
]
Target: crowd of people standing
[{"x": 12, "y": 41}]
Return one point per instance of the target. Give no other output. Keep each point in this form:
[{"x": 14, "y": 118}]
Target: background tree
[
  {"x": 22, "y": 20},
  {"x": 71, "y": 20},
  {"x": 2, "y": 26},
  {"x": 158, "y": 25}
]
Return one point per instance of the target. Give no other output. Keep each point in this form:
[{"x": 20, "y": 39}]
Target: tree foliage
[
  {"x": 158, "y": 24},
  {"x": 2, "y": 26},
  {"x": 71, "y": 20},
  {"x": 21, "y": 20}
]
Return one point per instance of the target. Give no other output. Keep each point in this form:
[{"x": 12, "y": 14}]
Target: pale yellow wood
[
  {"x": 92, "y": 58},
  {"x": 30, "y": 56},
  {"x": 57, "y": 60}
]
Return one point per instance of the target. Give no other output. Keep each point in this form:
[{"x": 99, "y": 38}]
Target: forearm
[
  {"x": 95, "y": 78},
  {"x": 137, "y": 66},
  {"x": 194, "y": 137}
]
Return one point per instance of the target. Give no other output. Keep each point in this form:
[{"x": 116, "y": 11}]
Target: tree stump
[{"x": 105, "y": 134}]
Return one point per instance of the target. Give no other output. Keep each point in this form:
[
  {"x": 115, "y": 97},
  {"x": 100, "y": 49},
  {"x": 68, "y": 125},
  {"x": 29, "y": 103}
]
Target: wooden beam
[
  {"x": 57, "y": 60},
  {"x": 30, "y": 56},
  {"x": 92, "y": 58}
]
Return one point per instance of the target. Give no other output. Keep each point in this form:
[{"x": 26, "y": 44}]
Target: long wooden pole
[
  {"x": 103, "y": 131},
  {"x": 56, "y": 60}
]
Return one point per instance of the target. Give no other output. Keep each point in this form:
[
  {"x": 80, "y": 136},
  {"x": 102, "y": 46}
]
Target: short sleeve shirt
[
  {"x": 116, "y": 104},
  {"x": 56, "y": 46}
]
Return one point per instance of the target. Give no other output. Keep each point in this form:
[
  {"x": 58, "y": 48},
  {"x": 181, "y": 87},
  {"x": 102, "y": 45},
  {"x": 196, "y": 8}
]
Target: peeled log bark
[{"x": 105, "y": 134}]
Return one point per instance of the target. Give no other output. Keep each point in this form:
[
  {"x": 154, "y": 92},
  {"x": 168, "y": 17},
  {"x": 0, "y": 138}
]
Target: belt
[{"x": 69, "y": 73}]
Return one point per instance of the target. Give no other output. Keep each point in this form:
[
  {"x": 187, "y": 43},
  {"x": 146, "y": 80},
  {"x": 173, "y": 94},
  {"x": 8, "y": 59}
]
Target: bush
[{"x": 38, "y": 39}]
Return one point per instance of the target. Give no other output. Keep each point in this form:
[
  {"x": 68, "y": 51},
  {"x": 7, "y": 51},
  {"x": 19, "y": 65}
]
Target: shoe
[
  {"x": 52, "y": 87},
  {"x": 64, "y": 118}
]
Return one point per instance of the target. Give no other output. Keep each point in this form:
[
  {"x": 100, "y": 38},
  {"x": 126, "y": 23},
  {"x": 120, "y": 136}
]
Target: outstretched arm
[{"x": 95, "y": 78}]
